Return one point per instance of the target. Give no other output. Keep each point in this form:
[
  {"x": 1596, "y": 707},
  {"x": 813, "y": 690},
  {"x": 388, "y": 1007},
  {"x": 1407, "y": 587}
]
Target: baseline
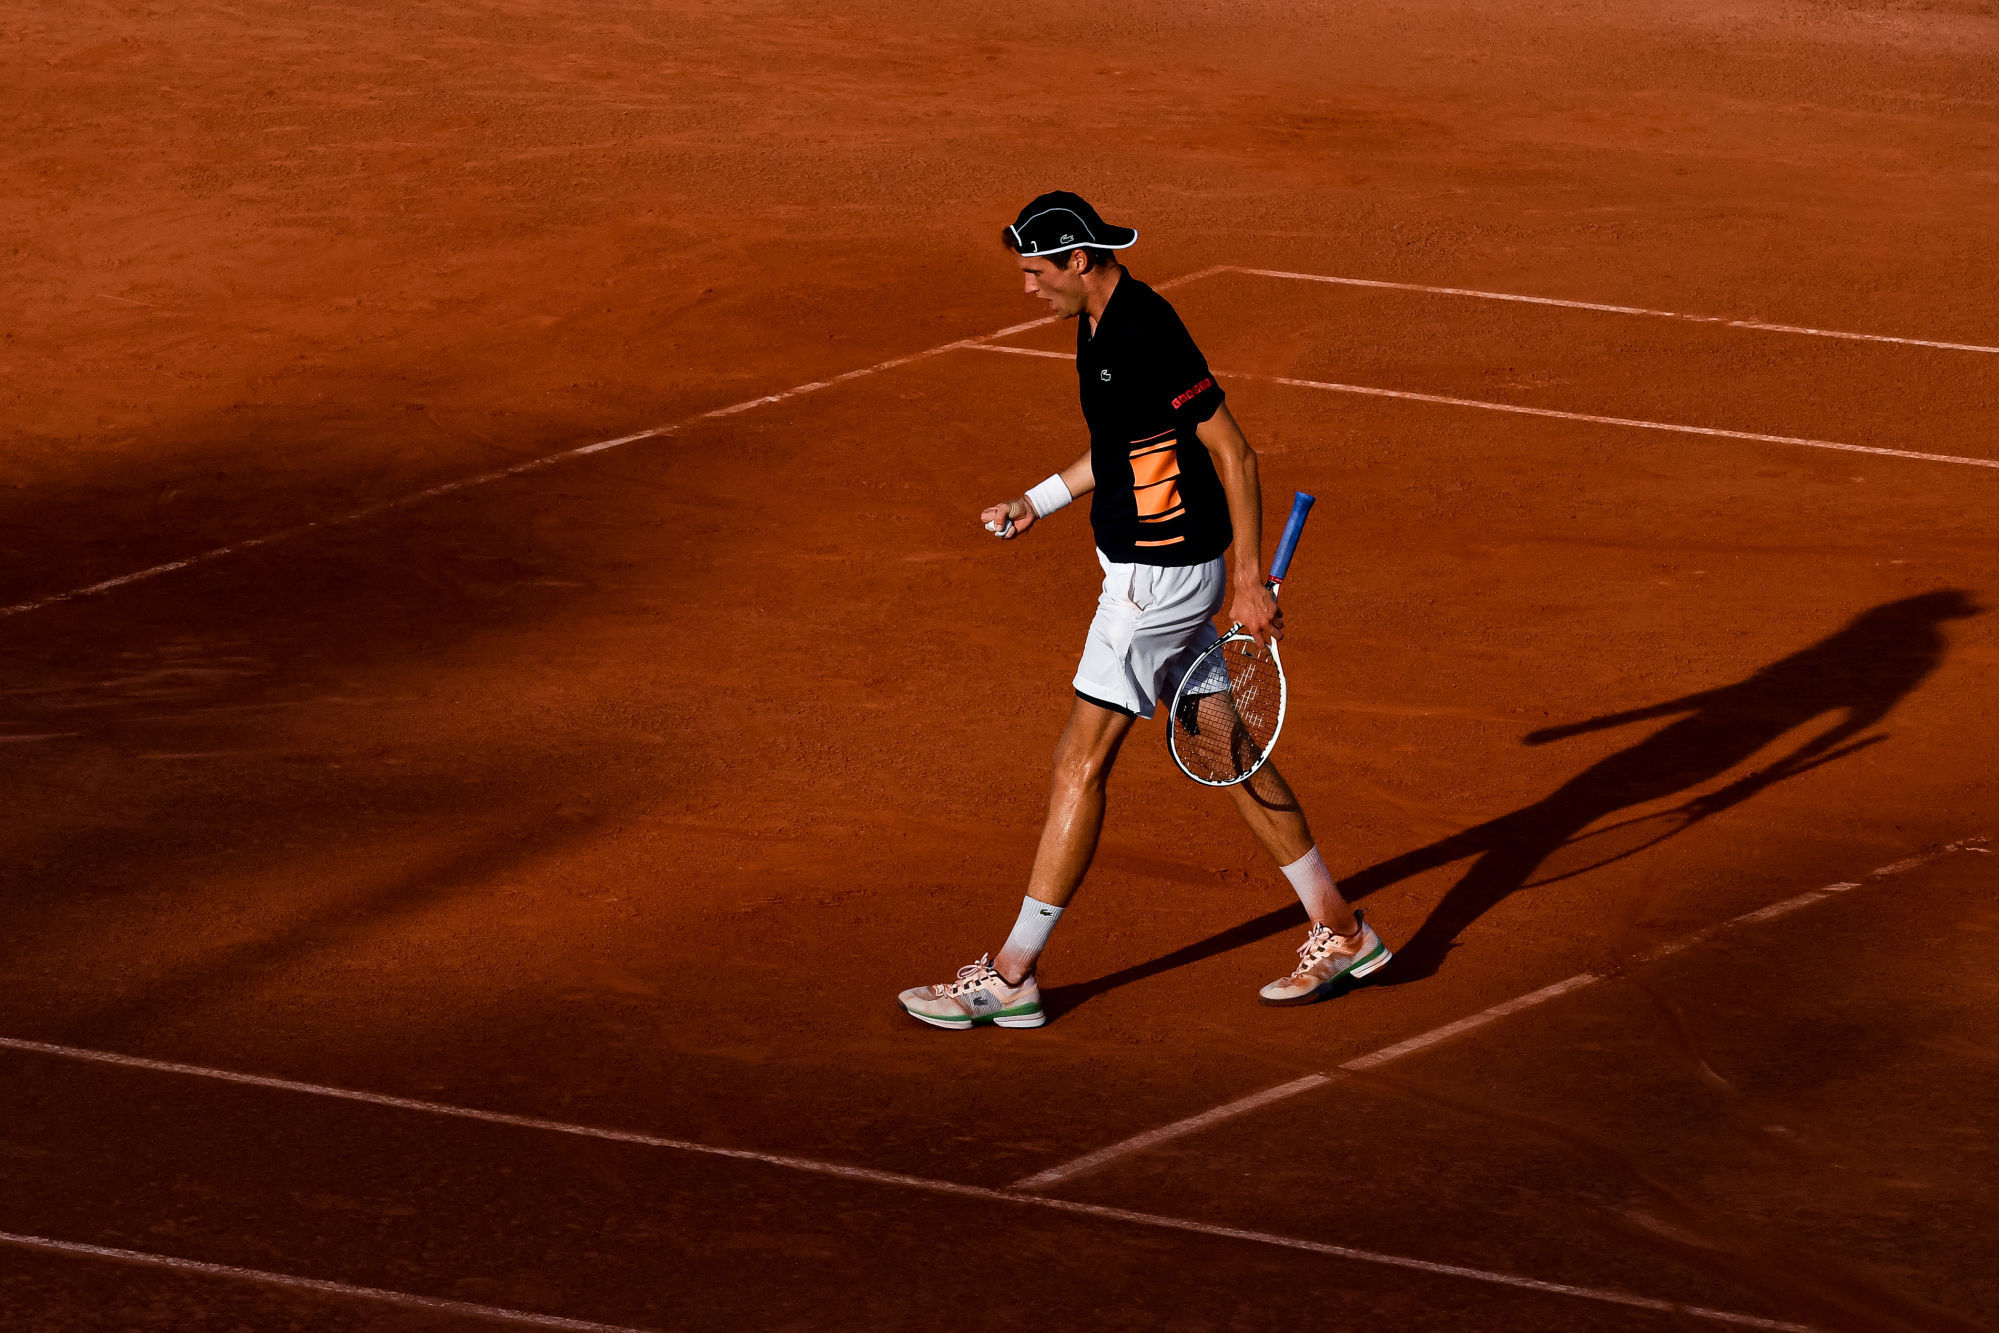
[
  {"x": 1721, "y": 320},
  {"x": 1194, "y": 1124},
  {"x": 838, "y": 1171},
  {"x": 1634, "y": 423},
  {"x": 534, "y": 464}
]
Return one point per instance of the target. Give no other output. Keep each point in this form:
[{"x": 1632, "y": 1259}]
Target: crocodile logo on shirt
[{"x": 1104, "y": 375}]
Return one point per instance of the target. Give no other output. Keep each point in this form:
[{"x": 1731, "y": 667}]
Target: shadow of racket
[{"x": 1620, "y": 841}]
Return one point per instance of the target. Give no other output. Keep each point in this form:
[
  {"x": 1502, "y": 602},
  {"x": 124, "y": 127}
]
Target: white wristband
[{"x": 1049, "y": 496}]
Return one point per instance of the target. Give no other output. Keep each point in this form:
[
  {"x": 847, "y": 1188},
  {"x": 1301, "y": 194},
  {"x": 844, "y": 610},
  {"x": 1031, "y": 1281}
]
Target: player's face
[{"x": 1060, "y": 287}]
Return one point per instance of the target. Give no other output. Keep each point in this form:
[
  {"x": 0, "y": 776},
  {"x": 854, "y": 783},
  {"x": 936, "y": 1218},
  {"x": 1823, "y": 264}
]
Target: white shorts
[{"x": 1152, "y": 621}]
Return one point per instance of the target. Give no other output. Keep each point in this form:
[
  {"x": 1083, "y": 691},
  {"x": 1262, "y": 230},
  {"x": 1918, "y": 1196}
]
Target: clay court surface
[{"x": 488, "y": 905}]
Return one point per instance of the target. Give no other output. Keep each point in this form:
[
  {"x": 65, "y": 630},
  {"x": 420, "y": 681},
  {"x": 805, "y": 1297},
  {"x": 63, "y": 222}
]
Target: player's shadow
[{"x": 1857, "y": 675}]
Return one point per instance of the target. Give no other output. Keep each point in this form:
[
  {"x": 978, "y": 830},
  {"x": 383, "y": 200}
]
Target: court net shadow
[{"x": 1853, "y": 677}]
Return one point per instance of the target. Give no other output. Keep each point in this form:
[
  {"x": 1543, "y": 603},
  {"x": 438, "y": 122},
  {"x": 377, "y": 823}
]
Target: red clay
[{"x": 630, "y": 793}]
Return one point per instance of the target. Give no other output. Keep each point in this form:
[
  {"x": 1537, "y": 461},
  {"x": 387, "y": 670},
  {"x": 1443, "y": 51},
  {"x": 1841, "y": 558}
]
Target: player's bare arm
[
  {"x": 1012, "y": 518},
  {"x": 1251, "y": 603}
]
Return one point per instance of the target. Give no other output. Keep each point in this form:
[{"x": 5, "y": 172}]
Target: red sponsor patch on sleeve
[{"x": 1194, "y": 393}]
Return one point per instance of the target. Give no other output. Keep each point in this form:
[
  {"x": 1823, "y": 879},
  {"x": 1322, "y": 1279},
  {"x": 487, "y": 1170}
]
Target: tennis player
[{"x": 1174, "y": 489}]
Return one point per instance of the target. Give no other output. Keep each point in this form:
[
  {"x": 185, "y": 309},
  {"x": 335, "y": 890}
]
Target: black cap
[{"x": 1059, "y": 221}]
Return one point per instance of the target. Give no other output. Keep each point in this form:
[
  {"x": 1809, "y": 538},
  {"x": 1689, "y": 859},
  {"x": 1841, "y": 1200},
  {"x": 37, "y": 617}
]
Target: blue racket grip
[{"x": 1294, "y": 527}]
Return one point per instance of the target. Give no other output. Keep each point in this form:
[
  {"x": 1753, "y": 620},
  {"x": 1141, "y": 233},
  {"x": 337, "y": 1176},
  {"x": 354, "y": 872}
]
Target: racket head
[{"x": 1228, "y": 711}]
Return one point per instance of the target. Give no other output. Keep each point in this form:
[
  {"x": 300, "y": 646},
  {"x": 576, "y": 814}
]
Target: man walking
[{"x": 1174, "y": 489}]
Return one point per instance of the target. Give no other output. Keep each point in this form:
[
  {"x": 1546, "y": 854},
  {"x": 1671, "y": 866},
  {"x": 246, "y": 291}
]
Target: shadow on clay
[{"x": 1861, "y": 672}]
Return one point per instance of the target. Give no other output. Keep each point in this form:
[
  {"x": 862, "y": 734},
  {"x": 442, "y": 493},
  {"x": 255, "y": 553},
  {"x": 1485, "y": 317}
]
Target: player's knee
[{"x": 1079, "y": 774}]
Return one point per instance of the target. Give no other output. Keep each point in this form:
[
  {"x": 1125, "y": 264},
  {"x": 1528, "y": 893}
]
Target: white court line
[
  {"x": 1616, "y": 309},
  {"x": 1517, "y": 409},
  {"x": 493, "y": 1313},
  {"x": 1022, "y": 351},
  {"x": 1194, "y": 1124},
  {"x": 536, "y": 464},
  {"x": 466, "y": 483},
  {"x": 864, "y": 1175},
  {"x": 1631, "y": 422}
]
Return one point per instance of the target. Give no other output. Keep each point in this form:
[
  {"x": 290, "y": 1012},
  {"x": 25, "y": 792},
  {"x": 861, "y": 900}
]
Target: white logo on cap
[{"x": 1066, "y": 238}]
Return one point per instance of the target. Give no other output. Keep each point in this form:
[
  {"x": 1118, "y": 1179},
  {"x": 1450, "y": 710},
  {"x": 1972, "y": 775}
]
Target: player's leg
[
  {"x": 1003, "y": 991},
  {"x": 1076, "y": 794},
  {"x": 1272, "y": 810},
  {"x": 1076, "y": 797},
  {"x": 1145, "y": 618},
  {"x": 1340, "y": 947}
]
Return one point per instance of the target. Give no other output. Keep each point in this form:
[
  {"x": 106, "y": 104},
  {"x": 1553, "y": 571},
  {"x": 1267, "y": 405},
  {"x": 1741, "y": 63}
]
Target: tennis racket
[{"x": 1229, "y": 706}]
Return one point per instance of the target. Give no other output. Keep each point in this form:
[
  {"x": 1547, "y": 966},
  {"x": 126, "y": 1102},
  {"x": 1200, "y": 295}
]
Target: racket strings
[{"x": 1228, "y": 715}]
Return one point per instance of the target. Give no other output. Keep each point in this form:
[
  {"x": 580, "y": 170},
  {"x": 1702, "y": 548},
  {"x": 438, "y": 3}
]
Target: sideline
[
  {"x": 536, "y": 464},
  {"x": 1194, "y": 1124},
  {"x": 1723, "y": 321},
  {"x": 494, "y": 1313},
  {"x": 862, "y": 1175},
  {"x": 1016, "y": 1194},
  {"x": 1632, "y": 422}
]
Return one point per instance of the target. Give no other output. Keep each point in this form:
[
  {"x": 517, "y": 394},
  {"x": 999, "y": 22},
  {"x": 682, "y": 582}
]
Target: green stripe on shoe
[{"x": 1017, "y": 1011}]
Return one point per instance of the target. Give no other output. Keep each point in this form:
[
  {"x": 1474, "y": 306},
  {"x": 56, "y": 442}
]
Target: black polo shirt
[{"x": 1146, "y": 387}]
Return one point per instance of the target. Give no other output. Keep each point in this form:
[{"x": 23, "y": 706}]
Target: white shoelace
[
  {"x": 974, "y": 975},
  {"x": 1317, "y": 945}
]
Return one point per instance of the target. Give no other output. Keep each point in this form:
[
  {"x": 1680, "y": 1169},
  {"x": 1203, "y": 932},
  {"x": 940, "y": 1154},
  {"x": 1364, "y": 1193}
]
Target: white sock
[
  {"x": 1314, "y": 884},
  {"x": 1031, "y": 930}
]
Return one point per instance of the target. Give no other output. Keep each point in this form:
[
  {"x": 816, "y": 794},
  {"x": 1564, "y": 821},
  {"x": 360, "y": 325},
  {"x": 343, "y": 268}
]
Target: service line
[
  {"x": 1516, "y": 408},
  {"x": 812, "y": 1166},
  {"x": 1631, "y": 422},
  {"x": 1720, "y": 320},
  {"x": 1256, "y": 1101},
  {"x": 537, "y": 464}
]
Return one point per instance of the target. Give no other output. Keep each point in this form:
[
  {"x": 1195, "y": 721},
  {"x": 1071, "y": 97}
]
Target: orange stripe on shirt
[
  {"x": 1155, "y": 478},
  {"x": 1154, "y": 502},
  {"x": 1152, "y": 468}
]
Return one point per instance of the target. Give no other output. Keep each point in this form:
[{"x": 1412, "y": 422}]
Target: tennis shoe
[
  {"x": 1325, "y": 961},
  {"x": 979, "y": 996}
]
